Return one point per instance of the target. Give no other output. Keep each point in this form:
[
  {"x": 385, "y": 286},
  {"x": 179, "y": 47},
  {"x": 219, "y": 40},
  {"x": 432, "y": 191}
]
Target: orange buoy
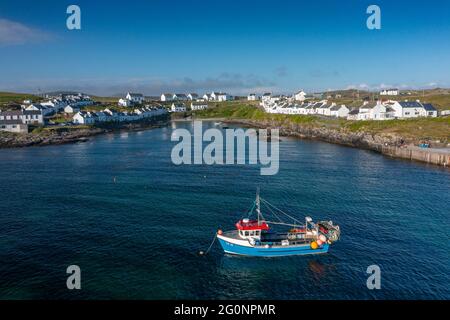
[
  {"x": 314, "y": 245},
  {"x": 219, "y": 232}
]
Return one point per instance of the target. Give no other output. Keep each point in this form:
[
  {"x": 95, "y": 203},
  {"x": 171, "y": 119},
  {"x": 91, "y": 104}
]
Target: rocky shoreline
[
  {"x": 390, "y": 145},
  {"x": 63, "y": 135}
]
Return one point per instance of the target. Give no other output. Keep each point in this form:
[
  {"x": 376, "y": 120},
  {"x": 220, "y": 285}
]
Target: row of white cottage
[
  {"x": 109, "y": 115},
  {"x": 213, "y": 96},
  {"x": 367, "y": 111},
  {"x": 69, "y": 104}
]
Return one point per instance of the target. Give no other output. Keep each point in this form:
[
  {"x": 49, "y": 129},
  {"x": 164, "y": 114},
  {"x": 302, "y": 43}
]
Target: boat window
[
  {"x": 257, "y": 233},
  {"x": 246, "y": 233}
]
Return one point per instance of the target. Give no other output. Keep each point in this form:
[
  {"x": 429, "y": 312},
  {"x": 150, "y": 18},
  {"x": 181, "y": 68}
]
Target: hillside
[
  {"x": 411, "y": 130},
  {"x": 13, "y": 98}
]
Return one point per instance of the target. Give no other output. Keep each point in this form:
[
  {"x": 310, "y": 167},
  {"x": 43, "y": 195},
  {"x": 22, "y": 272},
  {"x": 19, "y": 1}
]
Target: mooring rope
[{"x": 210, "y": 246}]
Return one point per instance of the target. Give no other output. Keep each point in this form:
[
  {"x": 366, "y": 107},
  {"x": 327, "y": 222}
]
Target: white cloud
[{"x": 15, "y": 33}]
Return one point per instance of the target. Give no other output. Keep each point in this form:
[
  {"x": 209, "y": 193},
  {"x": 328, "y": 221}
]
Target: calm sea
[{"x": 134, "y": 222}]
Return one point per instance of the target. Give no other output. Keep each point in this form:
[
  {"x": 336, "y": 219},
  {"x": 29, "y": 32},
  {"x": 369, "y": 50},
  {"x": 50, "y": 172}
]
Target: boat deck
[{"x": 273, "y": 239}]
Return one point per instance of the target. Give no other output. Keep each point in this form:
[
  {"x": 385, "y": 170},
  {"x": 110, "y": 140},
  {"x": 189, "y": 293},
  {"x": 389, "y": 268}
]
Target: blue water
[{"x": 138, "y": 237}]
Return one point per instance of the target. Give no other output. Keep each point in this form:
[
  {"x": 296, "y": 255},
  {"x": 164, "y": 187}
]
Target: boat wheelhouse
[{"x": 256, "y": 237}]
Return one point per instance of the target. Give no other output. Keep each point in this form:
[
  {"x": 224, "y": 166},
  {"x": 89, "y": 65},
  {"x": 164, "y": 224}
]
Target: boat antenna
[{"x": 258, "y": 209}]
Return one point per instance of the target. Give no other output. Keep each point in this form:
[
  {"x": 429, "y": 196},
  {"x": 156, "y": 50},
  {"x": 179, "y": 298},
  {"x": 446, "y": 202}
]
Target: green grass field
[{"x": 11, "y": 97}]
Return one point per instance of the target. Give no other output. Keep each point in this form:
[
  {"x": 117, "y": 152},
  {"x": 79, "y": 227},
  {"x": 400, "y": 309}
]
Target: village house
[
  {"x": 34, "y": 117},
  {"x": 429, "y": 110},
  {"x": 339, "y": 111},
  {"x": 353, "y": 114},
  {"x": 300, "y": 96},
  {"x": 179, "y": 97},
  {"x": 199, "y": 106},
  {"x": 167, "y": 97},
  {"x": 411, "y": 109},
  {"x": 178, "y": 107},
  {"x": 372, "y": 111},
  {"x": 55, "y": 104},
  {"x": 111, "y": 113},
  {"x": 207, "y": 97},
  {"x": 252, "y": 97},
  {"x": 13, "y": 126},
  {"x": 45, "y": 110},
  {"x": 135, "y": 97},
  {"x": 266, "y": 97},
  {"x": 220, "y": 96},
  {"x": 125, "y": 102},
  {"x": 192, "y": 96},
  {"x": 71, "y": 109},
  {"x": 83, "y": 117}
]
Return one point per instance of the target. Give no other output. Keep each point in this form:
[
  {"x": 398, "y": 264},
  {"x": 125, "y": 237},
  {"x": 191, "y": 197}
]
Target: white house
[
  {"x": 429, "y": 110},
  {"x": 266, "y": 97},
  {"x": 179, "y": 97},
  {"x": 372, "y": 111},
  {"x": 83, "y": 117},
  {"x": 13, "y": 126},
  {"x": 389, "y": 92},
  {"x": 71, "y": 109},
  {"x": 207, "y": 97},
  {"x": 24, "y": 116},
  {"x": 252, "y": 97},
  {"x": 135, "y": 97},
  {"x": 178, "y": 107},
  {"x": 220, "y": 96},
  {"x": 199, "y": 106},
  {"x": 339, "y": 111},
  {"x": 167, "y": 97},
  {"x": 192, "y": 96},
  {"x": 407, "y": 109},
  {"x": 45, "y": 110},
  {"x": 444, "y": 112},
  {"x": 125, "y": 103},
  {"x": 353, "y": 114},
  {"x": 300, "y": 96}
]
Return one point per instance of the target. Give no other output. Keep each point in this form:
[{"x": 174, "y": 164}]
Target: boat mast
[{"x": 258, "y": 210}]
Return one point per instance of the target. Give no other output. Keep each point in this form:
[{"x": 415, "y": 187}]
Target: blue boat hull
[{"x": 261, "y": 251}]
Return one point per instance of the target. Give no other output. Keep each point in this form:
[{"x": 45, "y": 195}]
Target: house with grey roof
[
  {"x": 339, "y": 111},
  {"x": 135, "y": 97},
  {"x": 180, "y": 97},
  {"x": 412, "y": 109},
  {"x": 16, "y": 126},
  {"x": 167, "y": 97}
]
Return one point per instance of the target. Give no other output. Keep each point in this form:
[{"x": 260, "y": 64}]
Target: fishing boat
[{"x": 257, "y": 237}]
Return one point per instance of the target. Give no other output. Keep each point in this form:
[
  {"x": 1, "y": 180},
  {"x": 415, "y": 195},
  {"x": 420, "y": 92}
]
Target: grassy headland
[
  {"x": 16, "y": 98},
  {"x": 412, "y": 130}
]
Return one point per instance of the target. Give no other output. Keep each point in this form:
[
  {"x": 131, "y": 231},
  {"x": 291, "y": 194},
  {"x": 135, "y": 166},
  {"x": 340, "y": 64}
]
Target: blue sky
[{"x": 237, "y": 46}]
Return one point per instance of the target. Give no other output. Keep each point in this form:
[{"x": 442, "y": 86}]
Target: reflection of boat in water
[{"x": 256, "y": 238}]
